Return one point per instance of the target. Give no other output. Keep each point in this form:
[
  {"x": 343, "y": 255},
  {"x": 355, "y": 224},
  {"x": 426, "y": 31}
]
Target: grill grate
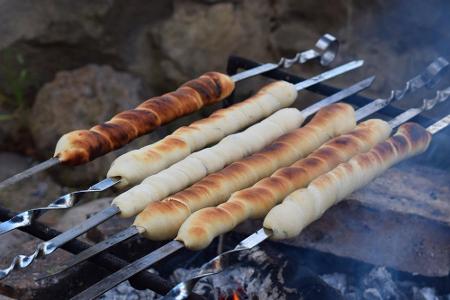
[{"x": 155, "y": 282}]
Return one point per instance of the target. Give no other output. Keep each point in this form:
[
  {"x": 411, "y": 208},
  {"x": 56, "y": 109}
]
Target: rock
[
  {"x": 60, "y": 25},
  {"x": 38, "y": 190},
  {"x": 80, "y": 99},
  {"x": 215, "y": 31},
  {"x": 12, "y": 164},
  {"x": 77, "y": 33},
  {"x": 76, "y": 100},
  {"x": 12, "y": 129},
  {"x": 38, "y": 22},
  {"x": 12, "y": 243},
  {"x": 81, "y": 212},
  {"x": 28, "y": 283},
  {"x": 404, "y": 35}
]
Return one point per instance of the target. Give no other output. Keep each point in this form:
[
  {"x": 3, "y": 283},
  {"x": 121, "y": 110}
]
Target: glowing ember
[{"x": 235, "y": 296}]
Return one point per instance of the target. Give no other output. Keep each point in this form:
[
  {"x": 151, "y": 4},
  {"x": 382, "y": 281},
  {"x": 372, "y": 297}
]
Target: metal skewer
[
  {"x": 326, "y": 49},
  {"x": 133, "y": 230},
  {"x": 22, "y": 261},
  {"x": 429, "y": 78},
  {"x": 29, "y": 172},
  {"x": 66, "y": 201},
  {"x": 219, "y": 263},
  {"x": 155, "y": 256},
  {"x": 69, "y": 200}
]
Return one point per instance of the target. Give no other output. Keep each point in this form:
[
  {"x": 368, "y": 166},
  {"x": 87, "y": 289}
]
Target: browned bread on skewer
[
  {"x": 208, "y": 160},
  {"x": 134, "y": 166},
  {"x": 81, "y": 146},
  {"x": 255, "y": 202},
  {"x": 162, "y": 219},
  {"x": 306, "y": 205}
]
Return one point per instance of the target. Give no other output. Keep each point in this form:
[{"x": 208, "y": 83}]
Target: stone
[
  {"x": 77, "y": 33},
  {"x": 81, "y": 212},
  {"x": 12, "y": 129},
  {"x": 80, "y": 99},
  {"x": 29, "y": 283},
  {"x": 215, "y": 32},
  {"x": 12, "y": 243},
  {"x": 36, "y": 191}
]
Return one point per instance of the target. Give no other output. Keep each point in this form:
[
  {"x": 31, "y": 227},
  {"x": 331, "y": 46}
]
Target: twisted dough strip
[
  {"x": 255, "y": 202},
  {"x": 136, "y": 165},
  {"x": 199, "y": 164},
  {"x": 162, "y": 219},
  {"x": 304, "y": 206},
  {"x": 81, "y": 146}
]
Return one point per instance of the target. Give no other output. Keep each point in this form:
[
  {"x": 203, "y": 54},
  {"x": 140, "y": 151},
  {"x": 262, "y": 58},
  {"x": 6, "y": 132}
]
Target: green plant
[{"x": 16, "y": 77}]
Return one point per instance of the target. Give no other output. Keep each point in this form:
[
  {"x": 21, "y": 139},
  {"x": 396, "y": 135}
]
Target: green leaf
[{"x": 6, "y": 117}]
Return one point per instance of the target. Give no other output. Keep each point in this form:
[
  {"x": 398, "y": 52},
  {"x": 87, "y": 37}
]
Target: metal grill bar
[
  {"x": 235, "y": 63},
  {"x": 107, "y": 261},
  {"x": 152, "y": 281}
]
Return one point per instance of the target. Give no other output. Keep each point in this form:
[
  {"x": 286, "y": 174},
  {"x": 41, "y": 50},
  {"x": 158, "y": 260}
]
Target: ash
[
  {"x": 378, "y": 284},
  {"x": 253, "y": 277},
  {"x": 257, "y": 274},
  {"x": 125, "y": 291}
]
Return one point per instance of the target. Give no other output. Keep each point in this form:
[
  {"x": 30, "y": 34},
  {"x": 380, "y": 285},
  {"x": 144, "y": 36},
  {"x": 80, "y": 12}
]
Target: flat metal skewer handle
[{"x": 326, "y": 48}]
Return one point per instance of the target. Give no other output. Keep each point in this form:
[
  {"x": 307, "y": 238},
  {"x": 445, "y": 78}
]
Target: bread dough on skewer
[
  {"x": 81, "y": 146},
  {"x": 197, "y": 165},
  {"x": 306, "y": 205},
  {"x": 162, "y": 219},
  {"x": 255, "y": 202},
  {"x": 135, "y": 166}
]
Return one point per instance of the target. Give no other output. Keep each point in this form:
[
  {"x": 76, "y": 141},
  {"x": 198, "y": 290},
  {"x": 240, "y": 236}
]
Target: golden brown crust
[
  {"x": 217, "y": 187},
  {"x": 256, "y": 201},
  {"x": 126, "y": 126},
  {"x": 306, "y": 205},
  {"x": 194, "y": 167}
]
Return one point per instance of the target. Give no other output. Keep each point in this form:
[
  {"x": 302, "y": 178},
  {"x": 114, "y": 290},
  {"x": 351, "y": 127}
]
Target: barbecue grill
[{"x": 423, "y": 219}]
